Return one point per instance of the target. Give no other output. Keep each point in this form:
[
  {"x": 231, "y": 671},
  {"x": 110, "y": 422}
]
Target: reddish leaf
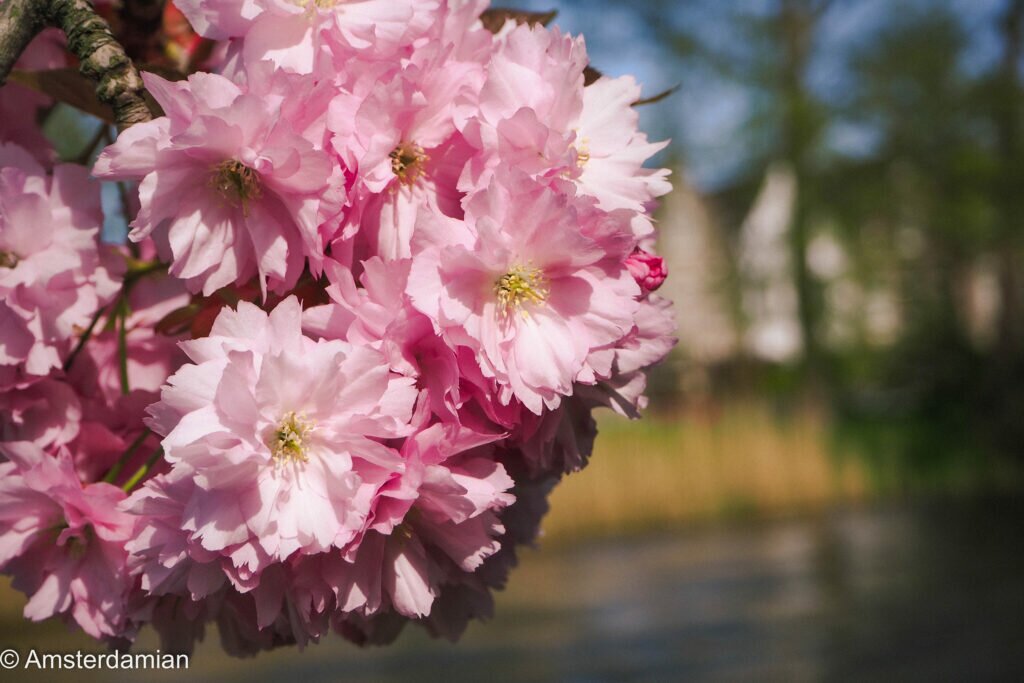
[
  {"x": 203, "y": 322},
  {"x": 75, "y": 90},
  {"x": 178, "y": 321},
  {"x": 590, "y": 74},
  {"x": 494, "y": 19},
  {"x": 67, "y": 86}
]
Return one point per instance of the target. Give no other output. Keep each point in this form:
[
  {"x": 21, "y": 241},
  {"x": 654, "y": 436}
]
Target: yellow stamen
[
  {"x": 519, "y": 286},
  {"x": 408, "y": 162},
  {"x": 287, "y": 443},
  {"x": 404, "y": 532},
  {"x": 236, "y": 182},
  {"x": 582, "y": 152},
  {"x": 322, "y": 4}
]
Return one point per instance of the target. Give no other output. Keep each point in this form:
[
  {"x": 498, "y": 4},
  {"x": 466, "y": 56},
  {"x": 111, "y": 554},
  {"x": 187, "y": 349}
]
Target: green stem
[
  {"x": 143, "y": 471},
  {"x": 122, "y": 344},
  {"x": 82, "y": 340},
  {"x": 139, "y": 269},
  {"x": 115, "y": 471}
]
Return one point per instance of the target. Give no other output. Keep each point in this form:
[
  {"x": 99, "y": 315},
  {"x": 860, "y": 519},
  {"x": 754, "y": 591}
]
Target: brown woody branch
[
  {"x": 102, "y": 59},
  {"x": 20, "y": 21}
]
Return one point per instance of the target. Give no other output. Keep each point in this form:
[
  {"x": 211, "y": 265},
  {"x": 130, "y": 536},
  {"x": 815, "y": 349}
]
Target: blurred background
[{"x": 827, "y": 483}]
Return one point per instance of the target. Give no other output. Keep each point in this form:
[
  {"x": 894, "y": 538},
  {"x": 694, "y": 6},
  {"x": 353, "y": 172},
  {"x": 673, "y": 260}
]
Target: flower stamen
[
  {"x": 582, "y": 152},
  {"x": 320, "y": 4},
  {"x": 408, "y": 162},
  {"x": 519, "y": 286},
  {"x": 8, "y": 259},
  {"x": 287, "y": 443},
  {"x": 236, "y": 182}
]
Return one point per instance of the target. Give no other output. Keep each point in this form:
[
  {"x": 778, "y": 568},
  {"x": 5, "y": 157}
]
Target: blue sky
[{"x": 706, "y": 117}]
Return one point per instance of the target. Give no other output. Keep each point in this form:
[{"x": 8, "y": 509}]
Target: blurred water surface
[{"x": 930, "y": 592}]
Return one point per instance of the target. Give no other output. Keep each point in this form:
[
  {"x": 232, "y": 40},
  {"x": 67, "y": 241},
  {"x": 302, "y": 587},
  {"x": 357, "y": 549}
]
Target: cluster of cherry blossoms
[{"x": 384, "y": 264}]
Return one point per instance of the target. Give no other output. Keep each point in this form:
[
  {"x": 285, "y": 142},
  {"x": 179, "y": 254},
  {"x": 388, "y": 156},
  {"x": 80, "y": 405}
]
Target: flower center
[
  {"x": 8, "y": 259},
  {"x": 582, "y": 152},
  {"x": 519, "y": 286},
  {"x": 287, "y": 443},
  {"x": 321, "y": 4},
  {"x": 408, "y": 161},
  {"x": 76, "y": 547},
  {"x": 236, "y": 182}
]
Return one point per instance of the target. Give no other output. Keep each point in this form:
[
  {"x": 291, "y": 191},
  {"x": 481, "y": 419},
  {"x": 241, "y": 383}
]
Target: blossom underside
[
  {"x": 236, "y": 182},
  {"x": 519, "y": 286},
  {"x": 288, "y": 441},
  {"x": 408, "y": 161}
]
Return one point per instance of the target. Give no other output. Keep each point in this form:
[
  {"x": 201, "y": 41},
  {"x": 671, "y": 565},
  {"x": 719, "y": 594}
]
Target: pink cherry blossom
[
  {"x": 610, "y": 151},
  {"x": 380, "y": 314},
  {"x": 54, "y": 274},
  {"x": 20, "y": 106},
  {"x": 533, "y": 282},
  {"x": 295, "y": 34},
  {"x": 48, "y": 413},
  {"x": 531, "y": 97},
  {"x": 387, "y": 265},
  {"x": 270, "y": 425},
  {"x": 402, "y": 144},
  {"x": 63, "y": 542},
  {"x": 445, "y": 497},
  {"x": 253, "y": 185}
]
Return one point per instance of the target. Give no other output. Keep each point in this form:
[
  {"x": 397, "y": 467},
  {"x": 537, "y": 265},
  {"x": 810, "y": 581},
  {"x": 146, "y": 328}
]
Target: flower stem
[
  {"x": 115, "y": 471},
  {"x": 138, "y": 269},
  {"x": 144, "y": 470},
  {"x": 122, "y": 344},
  {"x": 82, "y": 340}
]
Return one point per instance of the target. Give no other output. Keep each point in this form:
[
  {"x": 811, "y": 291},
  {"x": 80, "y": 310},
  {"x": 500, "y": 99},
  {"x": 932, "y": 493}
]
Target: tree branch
[
  {"x": 102, "y": 59},
  {"x": 20, "y": 21}
]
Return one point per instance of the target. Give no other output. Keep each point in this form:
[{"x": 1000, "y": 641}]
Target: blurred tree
[
  {"x": 1006, "y": 102},
  {"x": 802, "y": 122},
  {"x": 768, "y": 53},
  {"x": 949, "y": 163},
  {"x": 927, "y": 202}
]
